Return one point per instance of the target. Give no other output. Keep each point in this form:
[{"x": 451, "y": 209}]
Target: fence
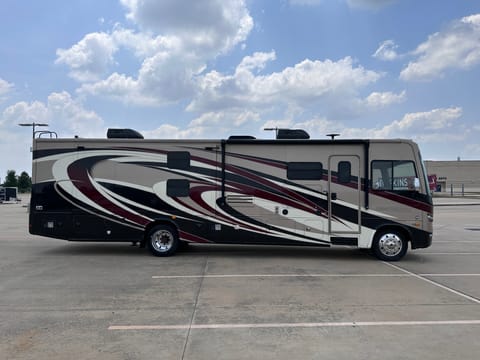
[{"x": 460, "y": 189}]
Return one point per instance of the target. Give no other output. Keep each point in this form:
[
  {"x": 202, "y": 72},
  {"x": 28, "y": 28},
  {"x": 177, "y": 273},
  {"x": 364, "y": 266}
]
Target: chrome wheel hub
[
  {"x": 390, "y": 244},
  {"x": 162, "y": 240}
]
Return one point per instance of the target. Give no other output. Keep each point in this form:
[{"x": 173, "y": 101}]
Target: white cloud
[
  {"x": 168, "y": 131},
  {"x": 90, "y": 58},
  {"x": 382, "y": 99},
  {"x": 143, "y": 44},
  {"x": 162, "y": 79},
  {"x": 166, "y": 74},
  {"x": 307, "y": 82},
  {"x": 176, "y": 41},
  {"x": 23, "y": 112},
  {"x": 432, "y": 126},
  {"x": 72, "y": 115},
  {"x": 64, "y": 115},
  {"x": 422, "y": 124},
  {"x": 320, "y": 127},
  {"x": 386, "y": 51},
  {"x": 457, "y": 47},
  {"x": 225, "y": 119},
  {"x": 117, "y": 86},
  {"x": 5, "y": 88},
  {"x": 257, "y": 61},
  {"x": 207, "y": 126},
  {"x": 220, "y": 124},
  {"x": 210, "y": 24}
]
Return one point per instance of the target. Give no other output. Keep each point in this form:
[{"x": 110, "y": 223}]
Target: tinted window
[
  {"x": 344, "y": 172},
  {"x": 304, "y": 171},
  {"x": 393, "y": 175},
  {"x": 178, "y": 187},
  {"x": 178, "y": 160}
]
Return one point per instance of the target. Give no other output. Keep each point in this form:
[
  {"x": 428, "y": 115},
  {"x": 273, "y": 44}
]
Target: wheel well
[
  {"x": 400, "y": 229},
  {"x": 159, "y": 222}
]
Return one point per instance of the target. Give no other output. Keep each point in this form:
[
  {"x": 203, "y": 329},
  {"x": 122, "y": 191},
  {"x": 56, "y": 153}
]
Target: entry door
[{"x": 344, "y": 191}]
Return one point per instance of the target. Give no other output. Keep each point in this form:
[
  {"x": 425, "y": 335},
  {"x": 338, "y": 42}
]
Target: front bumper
[{"x": 422, "y": 240}]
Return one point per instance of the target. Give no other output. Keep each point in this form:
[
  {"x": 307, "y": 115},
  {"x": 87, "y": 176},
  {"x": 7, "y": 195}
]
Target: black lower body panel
[{"x": 421, "y": 239}]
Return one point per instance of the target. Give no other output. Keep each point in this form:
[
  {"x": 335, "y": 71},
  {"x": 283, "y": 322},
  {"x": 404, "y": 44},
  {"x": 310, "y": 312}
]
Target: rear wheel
[
  {"x": 162, "y": 240},
  {"x": 390, "y": 245}
]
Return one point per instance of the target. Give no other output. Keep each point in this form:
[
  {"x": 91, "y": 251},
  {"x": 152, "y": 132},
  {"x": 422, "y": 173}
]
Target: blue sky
[{"x": 210, "y": 69}]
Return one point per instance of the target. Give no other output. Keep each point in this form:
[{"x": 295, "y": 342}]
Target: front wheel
[
  {"x": 390, "y": 245},
  {"x": 162, "y": 240}
]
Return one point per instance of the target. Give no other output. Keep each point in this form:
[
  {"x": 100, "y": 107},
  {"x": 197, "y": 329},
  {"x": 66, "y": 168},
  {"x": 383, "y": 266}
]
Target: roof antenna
[
  {"x": 271, "y": 129},
  {"x": 332, "y": 136}
]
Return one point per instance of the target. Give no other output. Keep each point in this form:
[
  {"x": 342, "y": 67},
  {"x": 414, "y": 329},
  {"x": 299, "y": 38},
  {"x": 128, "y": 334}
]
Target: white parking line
[
  {"x": 456, "y": 241},
  {"x": 292, "y": 325},
  {"x": 448, "y": 275},
  {"x": 216, "y": 276},
  {"x": 273, "y": 275},
  {"x": 452, "y": 253},
  {"x": 465, "y": 296}
]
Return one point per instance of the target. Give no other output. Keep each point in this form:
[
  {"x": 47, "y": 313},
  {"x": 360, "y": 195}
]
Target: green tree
[
  {"x": 24, "y": 182},
  {"x": 11, "y": 179}
]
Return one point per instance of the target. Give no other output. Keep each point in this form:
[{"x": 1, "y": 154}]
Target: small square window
[
  {"x": 178, "y": 160},
  {"x": 178, "y": 188}
]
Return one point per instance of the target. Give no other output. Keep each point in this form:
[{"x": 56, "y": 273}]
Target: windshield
[{"x": 425, "y": 175}]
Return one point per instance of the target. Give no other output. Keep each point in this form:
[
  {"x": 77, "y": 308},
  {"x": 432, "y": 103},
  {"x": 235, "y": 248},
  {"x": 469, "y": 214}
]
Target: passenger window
[
  {"x": 393, "y": 175},
  {"x": 304, "y": 171},
  {"x": 344, "y": 172},
  {"x": 178, "y": 160},
  {"x": 178, "y": 188}
]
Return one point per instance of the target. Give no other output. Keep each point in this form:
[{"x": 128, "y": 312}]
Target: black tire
[
  {"x": 162, "y": 240},
  {"x": 390, "y": 245},
  {"x": 183, "y": 246},
  {"x": 365, "y": 251}
]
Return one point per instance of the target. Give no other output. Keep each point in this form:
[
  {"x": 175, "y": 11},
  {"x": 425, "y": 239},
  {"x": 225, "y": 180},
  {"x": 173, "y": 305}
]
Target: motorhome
[{"x": 292, "y": 190}]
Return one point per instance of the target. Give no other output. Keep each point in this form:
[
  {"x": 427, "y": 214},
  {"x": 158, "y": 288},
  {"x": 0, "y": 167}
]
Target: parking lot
[{"x": 63, "y": 300}]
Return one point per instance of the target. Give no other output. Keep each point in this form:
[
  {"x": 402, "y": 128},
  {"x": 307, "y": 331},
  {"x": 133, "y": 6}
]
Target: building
[{"x": 457, "y": 177}]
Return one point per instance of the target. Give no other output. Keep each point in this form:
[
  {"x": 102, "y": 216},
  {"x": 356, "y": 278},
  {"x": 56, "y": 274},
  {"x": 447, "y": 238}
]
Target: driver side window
[{"x": 393, "y": 175}]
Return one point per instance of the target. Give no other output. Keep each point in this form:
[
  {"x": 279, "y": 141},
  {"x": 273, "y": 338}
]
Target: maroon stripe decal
[
  {"x": 195, "y": 195},
  {"x": 79, "y": 176},
  {"x": 259, "y": 160},
  {"x": 294, "y": 196},
  {"x": 403, "y": 200},
  {"x": 248, "y": 190},
  {"x": 193, "y": 238}
]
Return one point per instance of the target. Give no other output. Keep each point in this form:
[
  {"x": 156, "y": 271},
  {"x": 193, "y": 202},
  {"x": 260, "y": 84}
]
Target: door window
[{"x": 344, "y": 172}]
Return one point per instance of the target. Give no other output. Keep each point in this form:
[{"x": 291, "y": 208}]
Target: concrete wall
[{"x": 456, "y": 174}]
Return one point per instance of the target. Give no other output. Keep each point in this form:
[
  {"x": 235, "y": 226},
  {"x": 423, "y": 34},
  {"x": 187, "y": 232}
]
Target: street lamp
[{"x": 33, "y": 124}]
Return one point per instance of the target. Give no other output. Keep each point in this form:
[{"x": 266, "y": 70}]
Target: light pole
[{"x": 33, "y": 124}]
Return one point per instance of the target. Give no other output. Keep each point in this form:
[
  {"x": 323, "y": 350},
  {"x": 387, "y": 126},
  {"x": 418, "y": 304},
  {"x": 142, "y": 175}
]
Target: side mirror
[{"x": 416, "y": 184}]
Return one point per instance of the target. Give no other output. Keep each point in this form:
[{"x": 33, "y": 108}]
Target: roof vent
[
  {"x": 123, "y": 134},
  {"x": 292, "y": 134}
]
